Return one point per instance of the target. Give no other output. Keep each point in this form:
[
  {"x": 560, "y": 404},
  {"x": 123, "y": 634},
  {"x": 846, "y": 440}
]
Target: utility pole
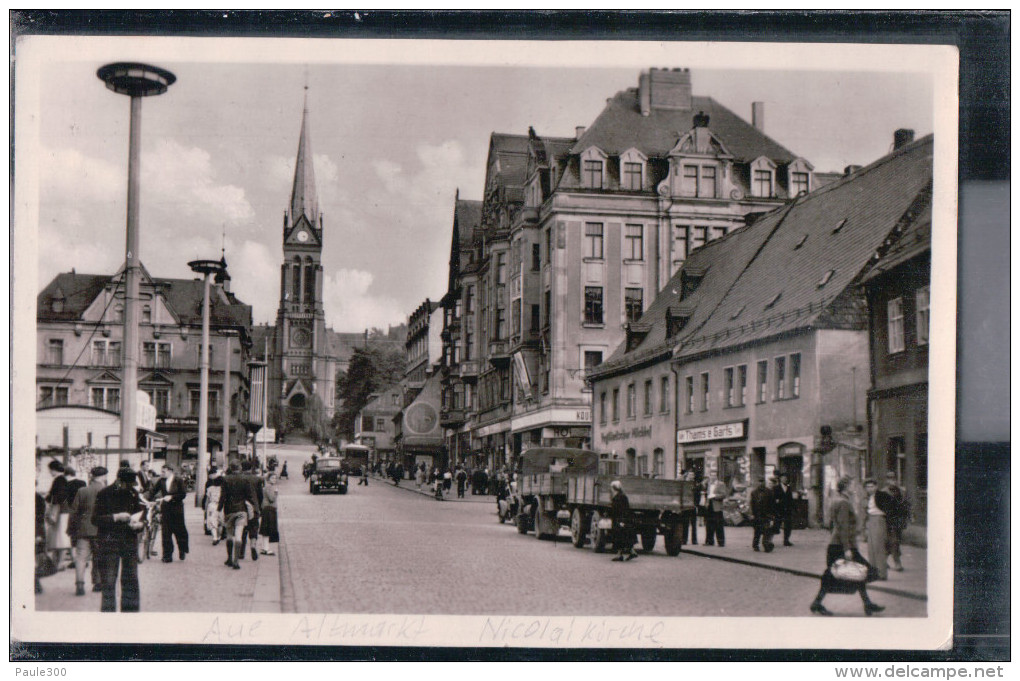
[
  {"x": 137, "y": 81},
  {"x": 207, "y": 268}
]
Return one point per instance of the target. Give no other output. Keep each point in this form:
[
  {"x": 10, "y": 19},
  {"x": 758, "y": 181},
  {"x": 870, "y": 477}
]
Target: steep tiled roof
[
  {"x": 815, "y": 250},
  {"x": 914, "y": 240},
  {"x": 467, "y": 216},
  {"x": 77, "y": 290},
  {"x": 621, "y": 126}
]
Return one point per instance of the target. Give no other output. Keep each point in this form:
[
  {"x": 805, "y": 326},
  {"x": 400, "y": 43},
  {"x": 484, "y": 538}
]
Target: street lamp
[
  {"x": 205, "y": 268},
  {"x": 137, "y": 81},
  {"x": 227, "y": 361}
]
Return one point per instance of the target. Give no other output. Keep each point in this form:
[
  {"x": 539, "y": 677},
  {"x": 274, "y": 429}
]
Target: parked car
[{"x": 328, "y": 474}]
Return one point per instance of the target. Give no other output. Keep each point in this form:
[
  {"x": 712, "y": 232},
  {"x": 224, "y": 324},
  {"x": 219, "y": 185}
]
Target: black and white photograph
[{"x": 483, "y": 343}]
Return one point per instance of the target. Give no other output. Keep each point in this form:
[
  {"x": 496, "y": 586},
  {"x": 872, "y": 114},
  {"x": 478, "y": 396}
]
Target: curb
[
  {"x": 466, "y": 499},
  {"x": 803, "y": 573},
  {"x": 286, "y": 581}
]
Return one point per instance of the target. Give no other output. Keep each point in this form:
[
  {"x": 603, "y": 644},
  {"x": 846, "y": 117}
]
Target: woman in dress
[
  {"x": 842, "y": 544},
  {"x": 269, "y": 531}
]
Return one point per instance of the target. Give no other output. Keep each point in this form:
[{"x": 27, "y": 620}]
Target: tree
[{"x": 370, "y": 370}]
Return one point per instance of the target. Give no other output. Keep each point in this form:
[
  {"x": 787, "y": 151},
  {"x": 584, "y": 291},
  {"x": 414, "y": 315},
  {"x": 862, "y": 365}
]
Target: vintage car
[{"x": 328, "y": 474}]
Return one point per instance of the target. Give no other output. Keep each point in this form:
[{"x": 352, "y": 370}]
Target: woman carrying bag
[{"x": 847, "y": 571}]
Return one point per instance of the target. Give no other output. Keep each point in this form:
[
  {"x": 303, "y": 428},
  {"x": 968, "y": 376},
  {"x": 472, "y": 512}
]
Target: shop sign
[
  {"x": 177, "y": 421},
  {"x": 737, "y": 430},
  {"x": 635, "y": 432}
]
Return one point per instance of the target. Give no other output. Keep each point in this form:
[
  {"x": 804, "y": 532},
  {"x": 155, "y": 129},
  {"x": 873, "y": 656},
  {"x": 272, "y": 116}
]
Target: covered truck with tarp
[{"x": 560, "y": 486}]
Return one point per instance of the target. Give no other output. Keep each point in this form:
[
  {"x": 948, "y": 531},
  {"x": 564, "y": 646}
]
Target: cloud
[
  {"x": 351, "y": 304},
  {"x": 279, "y": 172},
  {"x": 181, "y": 180},
  {"x": 255, "y": 277}
]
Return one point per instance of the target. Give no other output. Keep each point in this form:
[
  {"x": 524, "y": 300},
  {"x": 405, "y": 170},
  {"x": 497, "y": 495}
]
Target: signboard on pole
[
  {"x": 145, "y": 412},
  {"x": 266, "y": 435}
]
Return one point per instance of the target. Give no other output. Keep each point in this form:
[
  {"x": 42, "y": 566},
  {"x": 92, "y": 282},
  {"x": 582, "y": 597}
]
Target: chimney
[
  {"x": 902, "y": 136},
  {"x": 645, "y": 94},
  {"x": 669, "y": 89},
  {"x": 850, "y": 170},
  {"x": 579, "y": 130},
  {"x": 758, "y": 115}
]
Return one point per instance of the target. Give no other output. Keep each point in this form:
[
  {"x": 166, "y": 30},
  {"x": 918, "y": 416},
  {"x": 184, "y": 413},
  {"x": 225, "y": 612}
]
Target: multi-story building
[
  {"x": 579, "y": 234},
  {"x": 79, "y": 330},
  {"x": 898, "y": 292},
  {"x": 754, "y": 358},
  {"x": 421, "y": 440},
  {"x": 374, "y": 425}
]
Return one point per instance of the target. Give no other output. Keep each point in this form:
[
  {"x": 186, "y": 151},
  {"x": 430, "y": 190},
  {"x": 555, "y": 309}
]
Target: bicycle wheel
[{"x": 150, "y": 543}]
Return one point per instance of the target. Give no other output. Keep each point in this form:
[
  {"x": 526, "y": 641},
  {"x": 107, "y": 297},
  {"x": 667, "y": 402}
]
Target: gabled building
[
  {"x": 374, "y": 426},
  {"x": 761, "y": 340},
  {"x": 423, "y": 350},
  {"x": 79, "y": 331}
]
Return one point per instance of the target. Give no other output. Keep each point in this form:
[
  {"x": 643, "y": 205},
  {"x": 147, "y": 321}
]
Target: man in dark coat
[
  {"x": 236, "y": 496},
  {"x": 623, "y": 533},
  {"x": 461, "y": 481},
  {"x": 171, "y": 489},
  {"x": 784, "y": 496},
  {"x": 897, "y": 519},
  {"x": 83, "y": 531},
  {"x": 117, "y": 541},
  {"x": 257, "y": 484},
  {"x": 763, "y": 509}
]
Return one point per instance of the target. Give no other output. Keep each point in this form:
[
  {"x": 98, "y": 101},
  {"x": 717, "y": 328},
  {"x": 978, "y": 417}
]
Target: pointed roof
[{"x": 303, "y": 199}]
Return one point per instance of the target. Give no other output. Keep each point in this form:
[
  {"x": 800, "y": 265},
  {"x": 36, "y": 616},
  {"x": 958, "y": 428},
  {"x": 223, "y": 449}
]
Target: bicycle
[{"x": 151, "y": 524}]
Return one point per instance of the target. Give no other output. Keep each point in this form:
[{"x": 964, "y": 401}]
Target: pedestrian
[
  {"x": 283, "y": 472},
  {"x": 689, "y": 518},
  {"x": 145, "y": 478},
  {"x": 714, "y": 524},
  {"x": 842, "y": 544},
  {"x": 40, "y": 539},
  {"x": 447, "y": 480},
  {"x": 83, "y": 532},
  {"x": 878, "y": 505},
  {"x": 897, "y": 520},
  {"x": 211, "y": 502},
  {"x": 57, "y": 541},
  {"x": 117, "y": 517},
  {"x": 784, "y": 498},
  {"x": 257, "y": 484},
  {"x": 461, "y": 481},
  {"x": 763, "y": 510},
  {"x": 623, "y": 533},
  {"x": 171, "y": 490},
  {"x": 236, "y": 500},
  {"x": 269, "y": 529}
]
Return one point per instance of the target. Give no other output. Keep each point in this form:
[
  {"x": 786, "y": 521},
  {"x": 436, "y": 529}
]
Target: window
[
  {"x": 146, "y": 314},
  {"x": 894, "y": 310},
  {"x": 501, "y": 268},
  {"x": 548, "y": 307},
  {"x": 698, "y": 181},
  {"x": 160, "y": 399},
  {"x": 515, "y": 317},
  {"x": 689, "y": 184},
  {"x": 469, "y": 300},
  {"x": 592, "y": 358},
  {"x": 194, "y": 402},
  {"x": 762, "y": 183},
  {"x": 633, "y": 304},
  {"x": 632, "y": 176},
  {"x": 680, "y": 250},
  {"x": 717, "y": 233},
  {"x": 548, "y": 245},
  {"x": 156, "y": 355},
  {"x": 742, "y": 384},
  {"x": 659, "y": 463},
  {"x": 699, "y": 235},
  {"x": 535, "y": 318},
  {"x": 795, "y": 375},
  {"x": 631, "y": 401},
  {"x": 55, "y": 351},
  {"x": 380, "y": 424},
  {"x": 730, "y": 386},
  {"x": 763, "y": 380},
  {"x": 592, "y": 304},
  {"x": 593, "y": 174},
  {"x": 633, "y": 248},
  {"x": 616, "y": 404},
  {"x": 536, "y": 257},
  {"x": 395, "y": 400},
  {"x": 642, "y": 465},
  {"x": 706, "y": 187},
  {"x": 105, "y": 398},
  {"x": 690, "y": 395},
  {"x": 923, "y": 315},
  {"x": 106, "y": 353},
  {"x": 500, "y": 323},
  {"x": 780, "y": 378},
  {"x": 469, "y": 343},
  {"x": 50, "y": 396},
  {"x": 798, "y": 184},
  {"x": 704, "y": 391},
  {"x": 664, "y": 394},
  {"x": 602, "y": 407},
  {"x": 648, "y": 397},
  {"x": 593, "y": 240}
]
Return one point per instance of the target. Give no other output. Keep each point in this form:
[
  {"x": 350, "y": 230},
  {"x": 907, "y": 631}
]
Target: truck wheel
[
  {"x": 599, "y": 537},
  {"x": 578, "y": 531},
  {"x": 539, "y": 524},
  {"x": 673, "y": 537},
  {"x": 648, "y": 536}
]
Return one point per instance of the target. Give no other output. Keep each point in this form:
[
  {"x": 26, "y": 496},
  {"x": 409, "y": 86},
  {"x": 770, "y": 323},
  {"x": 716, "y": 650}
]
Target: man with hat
[
  {"x": 784, "y": 498},
  {"x": 623, "y": 533},
  {"x": 83, "y": 531},
  {"x": 762, "y": 508},
  {"x": 117, "y": 541},
  {"x": 896, "y": 520}
]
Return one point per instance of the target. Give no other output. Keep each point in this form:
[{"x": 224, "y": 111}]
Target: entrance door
[{"x": 791, "y": 464}]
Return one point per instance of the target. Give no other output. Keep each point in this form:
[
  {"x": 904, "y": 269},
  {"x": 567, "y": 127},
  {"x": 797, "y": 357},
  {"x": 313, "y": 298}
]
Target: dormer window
[
  {"x": 763, "y": 178},
  {"x": 632, "y": 170},
  {"x": 57, "y": 303},
  {"x": 799, "y": 175},
  {"x": 593, "y": 168},
  {"x": 699, "y": 180}
]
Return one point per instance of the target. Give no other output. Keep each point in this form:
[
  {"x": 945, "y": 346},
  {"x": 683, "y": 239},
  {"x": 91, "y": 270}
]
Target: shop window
[
  {"x": 664, "y": 395},
  {"x": 763, "y": 380},
  {"x": 633, "y": 248},
  {"x": 894, "y": 312},
  {"x": 593, "y": 241},
  {"x": 923, "y": 315},
  {"x": 648, "y": 397}
]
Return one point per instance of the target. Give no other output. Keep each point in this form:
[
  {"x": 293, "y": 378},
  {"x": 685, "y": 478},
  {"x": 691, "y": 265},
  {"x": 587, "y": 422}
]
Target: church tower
[{"x": 301, "y": 347}]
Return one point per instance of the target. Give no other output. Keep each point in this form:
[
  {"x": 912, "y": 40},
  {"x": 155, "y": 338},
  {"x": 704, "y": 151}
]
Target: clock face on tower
[
  {"x": 420, "y": 418},
  {"x": 300, "y": 338},
  {"x": 302, "y": 236}
]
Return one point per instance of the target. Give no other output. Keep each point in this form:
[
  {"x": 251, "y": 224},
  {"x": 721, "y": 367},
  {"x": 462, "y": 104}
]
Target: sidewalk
[
  {"x": 807, "y": 558},
  {"x": 201, "y": 583},
  {"x": 426, "y": 490}
]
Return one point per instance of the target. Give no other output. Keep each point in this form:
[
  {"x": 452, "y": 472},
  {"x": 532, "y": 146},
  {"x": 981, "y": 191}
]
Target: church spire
[{"x": 303, "y": 200}]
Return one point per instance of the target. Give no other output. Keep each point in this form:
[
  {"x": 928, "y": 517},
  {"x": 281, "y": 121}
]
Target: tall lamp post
[
  {"x": 207, "y": 268},
  {"x": 136, "y": 81}
]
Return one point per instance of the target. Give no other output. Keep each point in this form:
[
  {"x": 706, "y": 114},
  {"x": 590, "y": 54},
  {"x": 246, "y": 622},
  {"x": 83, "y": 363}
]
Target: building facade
[
  {"x": 374, "y": 426},
  {"x": 79, "y": 331},
  {"x": 761, "y": 337},
  {"x": 423, "y": 351}
]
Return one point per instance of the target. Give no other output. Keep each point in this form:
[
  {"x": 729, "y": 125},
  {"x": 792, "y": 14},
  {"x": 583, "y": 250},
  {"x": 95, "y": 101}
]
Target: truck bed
[
  {"x": 542, "y": 484},
  {"x": 644, "y": 494}
]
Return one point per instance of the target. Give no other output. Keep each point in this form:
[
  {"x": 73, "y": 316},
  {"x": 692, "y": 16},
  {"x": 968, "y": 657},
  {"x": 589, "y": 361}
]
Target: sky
[{"x": 393, "y": 137}]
